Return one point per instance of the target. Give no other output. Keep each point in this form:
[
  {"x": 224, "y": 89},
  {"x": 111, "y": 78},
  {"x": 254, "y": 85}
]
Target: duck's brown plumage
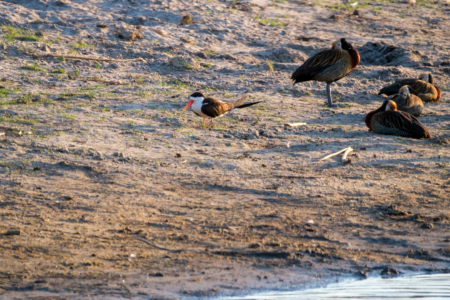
[
  {"x": 328, "y": 65},
  {"x": 395, "y": 122},
  {"x": 426, "y": 91},
  {"x": 408, "y": 102}
]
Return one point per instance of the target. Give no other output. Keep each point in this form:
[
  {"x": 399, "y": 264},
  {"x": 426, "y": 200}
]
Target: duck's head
[
  {"x": 389, "y": 105},
  {"x": 424, "y": 77},
  {"x": 341, "y": 44},
  {"x": 404, "y": 90},
  {"x": 195, "y": 97}
]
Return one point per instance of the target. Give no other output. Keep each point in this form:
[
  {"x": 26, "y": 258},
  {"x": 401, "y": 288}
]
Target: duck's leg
[{"x": 330, "y": 102}]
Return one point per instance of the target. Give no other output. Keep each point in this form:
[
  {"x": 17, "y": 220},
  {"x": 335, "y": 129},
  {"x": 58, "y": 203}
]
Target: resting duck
[
  {"x": 424, "y": 88},
  {"x": 329, "y": 65},
  {"x": 387, "y": 120},
  {"x": 408, "y": 102}
]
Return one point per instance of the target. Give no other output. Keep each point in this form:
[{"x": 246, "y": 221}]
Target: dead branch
[
  {"x": 346, "y": 160},
  {"x": 334, "y": 154},
  {"x": 171, "y": 250},
  {"x": 102, "y": 81},
  {"x": 294, "y": 124},
  {"x": 297, "y": 176},
  {"x": 88, "y": 58}
]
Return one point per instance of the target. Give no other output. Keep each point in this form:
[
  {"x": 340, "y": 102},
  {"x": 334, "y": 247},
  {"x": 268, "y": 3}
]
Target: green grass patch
[
  {"x": 82, "y": 45},
  {"x": 13, "y": 33},
  {"x": 34, "y": 67},
  {"x": 58, "y": 71},
  {"x": 269, "y": 22},
  {"x": 270, "y": 65},
  {"x": 4, "y": 92}
]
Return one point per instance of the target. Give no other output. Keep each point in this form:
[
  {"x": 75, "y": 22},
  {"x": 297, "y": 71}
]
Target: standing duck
[
  {"x": 329, "y": 65},
  {"x": 408, "y": 102},
  {"x": 387, "y": 120},
  {"x": 213, "y": 108},
  {"x": 423, "y": 87}
]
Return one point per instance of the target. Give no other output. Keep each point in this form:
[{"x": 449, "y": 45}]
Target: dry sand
[{"x": 111, "y": 190}]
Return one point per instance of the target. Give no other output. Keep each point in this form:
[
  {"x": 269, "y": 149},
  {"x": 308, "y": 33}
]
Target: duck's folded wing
[
  {"x": 318, "y": 63},
  {"x": 395, "y": 87},
  {"x": 403, "y": 122}
]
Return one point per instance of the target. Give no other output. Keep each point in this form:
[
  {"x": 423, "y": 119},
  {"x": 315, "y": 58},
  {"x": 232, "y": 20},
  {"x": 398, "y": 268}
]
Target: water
[{"x": 435, "y": 286}]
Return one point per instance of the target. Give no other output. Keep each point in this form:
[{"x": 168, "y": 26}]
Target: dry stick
[
  {"x": 294, "y": 124},
  {"x": 297, "y": 176},
  {"x": 88, "y": 58},
  {"x": 171, "y": 250},
  {"x": 346, "y": 160},
  {"x": 334, "y": 154},
  {"x": 102, "y": 81}
]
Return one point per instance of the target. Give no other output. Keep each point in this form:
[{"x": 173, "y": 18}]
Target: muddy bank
[{"x": 108, "y": 189}]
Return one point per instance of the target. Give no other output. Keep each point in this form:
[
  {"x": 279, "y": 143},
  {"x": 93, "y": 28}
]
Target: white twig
[
  {"x": 346, "y": 160},
  {"x": 294, "y": 124},
  {"x": 334, "y": 154}
]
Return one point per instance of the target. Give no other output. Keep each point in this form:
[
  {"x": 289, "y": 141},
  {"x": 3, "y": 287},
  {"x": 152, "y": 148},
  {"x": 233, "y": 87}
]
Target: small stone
[
  {"x": 337, "y": 129},
  {"x": 161, "y": 32},
  {"x": 362, "y": 274},
  {"x": 158, "y": 274},
  {"x": 12, "y": 232},
  {"x": 357, "y": 12},
  {"x": 68, "y": 198},
  {"x": 63, "y": 150},
  {"x": 186, "y": 19},
  {"x": 102, "y": 25},
  {"x": 4, "y": 46},
  {"x": 389, "y": 271},
  {"x": 130, "y": 35},
  {"x": 427, "y": 226},
  {"x": 45, "y": 48},
  {"x": 114, "y": 65},
  {"x": 264, "y": 165},
  {"x": 255, "y": 246},
  {"x": 118, "y": 154},
  {"x": 179, "y": 155},
  {"x": 61, "y": 2},
  {"x": 201, "y": 54}
]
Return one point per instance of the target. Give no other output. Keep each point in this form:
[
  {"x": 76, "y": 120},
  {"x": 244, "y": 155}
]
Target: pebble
[
  {"x": 118, "y": 154},
  {"x": 389, "y": 271},
  {"x": 63, "y": 150},
  {"x": 427, "y": 226},
  {"x": 12, "y": 232}
]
